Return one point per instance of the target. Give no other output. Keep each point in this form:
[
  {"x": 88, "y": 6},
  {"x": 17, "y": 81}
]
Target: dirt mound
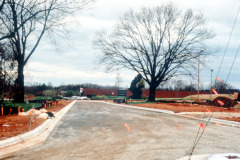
[{"x": 223, "y": 102}]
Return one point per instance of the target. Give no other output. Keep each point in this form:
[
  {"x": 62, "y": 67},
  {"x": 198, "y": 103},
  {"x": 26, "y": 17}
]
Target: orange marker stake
[
  {"x": 215, "y": 92},
  {"x": 179, "y": 127},
  {"x": 10, "y": 111},
  {"x": 197, "y": 124},
  {"x": 218, "y": 79},
  {"x": 203, "y": 126},
  {"x": 218, "y": 124},
  {"x": 127, "y": 127},
  {"x": 2, "y": 111},
  {"x": 220, "y": 102}
]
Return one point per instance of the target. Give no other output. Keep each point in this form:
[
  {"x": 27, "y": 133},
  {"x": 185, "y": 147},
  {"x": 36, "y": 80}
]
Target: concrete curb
[
  {"x": 32, "y": 138},
  {"x": 213, "y": 120},
  {"x": 143, "y": 108},
  {"x": 25, "y": 136},
  {"x": 211, "y": 156},
  {"x": 183, "y": 114},
  {"x": 209, "y": 113},
  {"x": 225, "y": 122},
  {"x": 196, "y": 157}
]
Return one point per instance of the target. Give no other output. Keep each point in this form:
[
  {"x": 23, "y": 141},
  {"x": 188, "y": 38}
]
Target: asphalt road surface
[{"x": 100, "y": 131}]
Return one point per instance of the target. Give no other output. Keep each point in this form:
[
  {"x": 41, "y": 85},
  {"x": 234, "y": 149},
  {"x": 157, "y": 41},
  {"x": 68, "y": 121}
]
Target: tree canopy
[
  {"x": 25, "y": 22},
  {"x": 136, "y": 87},
  {"x": 158, "y": 43}
]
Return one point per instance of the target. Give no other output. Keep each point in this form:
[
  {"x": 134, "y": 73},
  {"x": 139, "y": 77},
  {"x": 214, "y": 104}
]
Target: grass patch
[
  {"x": 160, "y": 99},
  {"x": 25, "y": 106},
  {"x": 42, "y": 98},
  {"x": 140, "y": 102},
  {"x": 103, "y": 97}
]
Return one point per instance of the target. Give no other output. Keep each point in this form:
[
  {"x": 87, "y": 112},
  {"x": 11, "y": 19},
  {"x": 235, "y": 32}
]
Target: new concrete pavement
[{"x": 94, "y": 130}]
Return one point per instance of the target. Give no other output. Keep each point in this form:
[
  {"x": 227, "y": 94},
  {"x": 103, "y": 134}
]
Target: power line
[
  {"x": 228, "y": 41},
  {"x": 232, "y": 63},
  {"x": 197, "y": 138}
]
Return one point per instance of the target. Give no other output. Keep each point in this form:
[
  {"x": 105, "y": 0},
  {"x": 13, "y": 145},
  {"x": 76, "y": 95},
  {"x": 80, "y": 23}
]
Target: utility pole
[
  {"x": 198, "y": 70},
  {"x": 211, "y": 86}
]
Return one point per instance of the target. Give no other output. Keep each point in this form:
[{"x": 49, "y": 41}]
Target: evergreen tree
[{"x": 136, "y": 87}]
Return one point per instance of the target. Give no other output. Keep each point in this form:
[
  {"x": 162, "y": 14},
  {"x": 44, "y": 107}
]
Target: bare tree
[
  {"x": 158, "y": 43},
  {"x": 25, "y": 22},
  {"x": 2, "y": 4},
  {"x": 7, "y": 70},
  {"x": 178, "y": 85},
  {"x": 223, "y": 87}
]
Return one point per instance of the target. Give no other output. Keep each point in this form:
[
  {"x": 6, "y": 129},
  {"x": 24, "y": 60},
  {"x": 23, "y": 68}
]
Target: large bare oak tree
[
  {"x": 24, "y": 22},
  {"x": 158, "y": 43}
]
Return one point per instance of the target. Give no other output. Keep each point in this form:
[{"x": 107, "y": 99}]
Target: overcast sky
[{"x": 77, "y": 64}]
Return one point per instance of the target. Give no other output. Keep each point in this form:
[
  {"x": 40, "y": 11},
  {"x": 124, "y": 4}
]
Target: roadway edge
[{"x": 33, "y": 138}]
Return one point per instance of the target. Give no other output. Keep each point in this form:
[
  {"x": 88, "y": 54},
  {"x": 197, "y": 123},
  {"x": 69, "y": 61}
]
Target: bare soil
[
  {"x": 236, "y": 119},
  {"x": 185, "y": 107},
  {"x": 13, "y": 125}
]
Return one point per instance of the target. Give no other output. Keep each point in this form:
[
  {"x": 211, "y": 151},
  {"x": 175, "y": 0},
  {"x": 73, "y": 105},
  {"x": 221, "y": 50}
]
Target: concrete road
[{"x": 97, "y": 131}]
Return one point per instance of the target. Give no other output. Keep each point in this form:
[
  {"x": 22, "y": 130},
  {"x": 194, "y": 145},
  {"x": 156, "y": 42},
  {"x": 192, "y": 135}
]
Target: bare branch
[{"x": 159, "y": 43}]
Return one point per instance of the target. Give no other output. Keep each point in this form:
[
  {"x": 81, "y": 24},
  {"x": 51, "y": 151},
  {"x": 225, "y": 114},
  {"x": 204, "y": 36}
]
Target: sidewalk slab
[{"x": 33, "y": 138}]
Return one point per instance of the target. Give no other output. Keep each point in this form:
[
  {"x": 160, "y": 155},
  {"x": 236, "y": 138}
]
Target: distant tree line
[
  {"x": 76, "y": 87},
  {"x": 184, "y": 85},
  {"x": 136, "y": 87},
  {"x": 70, "y": 89}
]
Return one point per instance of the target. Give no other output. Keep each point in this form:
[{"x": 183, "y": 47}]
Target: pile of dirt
[{"x": 223, "y": 102}]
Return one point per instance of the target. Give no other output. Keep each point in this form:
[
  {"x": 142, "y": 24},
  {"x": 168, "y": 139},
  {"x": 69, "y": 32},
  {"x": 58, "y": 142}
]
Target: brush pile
[{"x": 223, "y": 102}]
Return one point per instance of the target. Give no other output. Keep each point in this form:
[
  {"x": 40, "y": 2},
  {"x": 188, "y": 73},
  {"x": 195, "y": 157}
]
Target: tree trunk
[
  {"x": 152, "y": 90},
  {"x": 3, "y": 89},
  {"x": 19, "y": 84}
]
